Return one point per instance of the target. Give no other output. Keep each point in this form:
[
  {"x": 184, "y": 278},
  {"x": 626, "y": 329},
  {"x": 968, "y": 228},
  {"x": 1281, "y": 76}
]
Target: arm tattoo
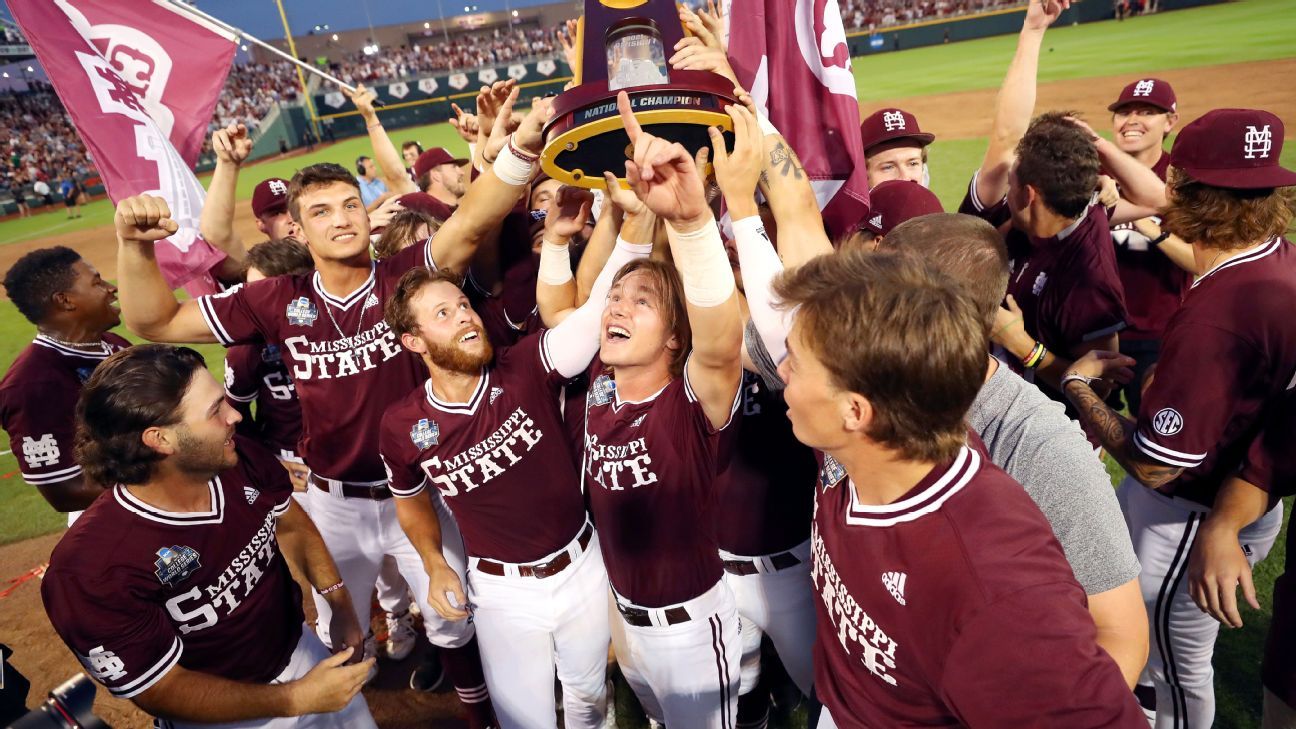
[
  {"x": 1115, "y": 433},
  {"x": 785, "y": 161}
]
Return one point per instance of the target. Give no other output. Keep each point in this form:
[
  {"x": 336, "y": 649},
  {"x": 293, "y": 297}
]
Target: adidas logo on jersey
[
  {"x": 895, "y": 583},
  {"x": 495, "y": 393},
  {"x": 372, "y": 301},
  {"x": 250, "y": 494},
  {"x": 638, "y": 420}
]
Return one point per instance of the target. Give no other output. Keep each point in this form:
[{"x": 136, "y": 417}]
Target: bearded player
[
  {"x": 346, "y": 364},
  {"x": 945, "y": 598},
  {"x": 486, "y": 432},
  {"x": 174, "y": 590},
  {"x": 73, "y": 309}
]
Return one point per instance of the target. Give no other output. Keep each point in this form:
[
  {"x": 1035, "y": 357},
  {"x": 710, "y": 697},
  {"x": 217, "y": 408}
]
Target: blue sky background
[{"x": 261, "y": 19}]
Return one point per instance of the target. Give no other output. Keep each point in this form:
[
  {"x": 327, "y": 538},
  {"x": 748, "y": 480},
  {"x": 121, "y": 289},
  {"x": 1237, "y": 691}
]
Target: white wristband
[
  {"x": 512, "y": 168},
  {"x": 472, "y": 155},
  {"x": 555, "y": 264},
  {"x": 637, "y": 249},
  {"x": 703, "y": 265}
]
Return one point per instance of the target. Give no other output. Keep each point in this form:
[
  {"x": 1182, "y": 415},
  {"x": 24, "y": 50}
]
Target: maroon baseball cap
[
  {"x": 270, "y": 197},
  {"x": 424, "y": 202},
  {"x": 433, "y": 157},
  {"x": 895, "y": 201},
  {"x": 1150, "y": 91},
  {"x": 1233, "y": 148},
  {"x": 885, "y": 125}
]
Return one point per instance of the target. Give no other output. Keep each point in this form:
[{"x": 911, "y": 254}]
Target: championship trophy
[{"x": 623, "y": 46}]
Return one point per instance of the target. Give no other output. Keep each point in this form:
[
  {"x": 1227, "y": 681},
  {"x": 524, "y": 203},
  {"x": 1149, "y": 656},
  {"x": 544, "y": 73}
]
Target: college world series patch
[
  {"x": 302, "y": 312},
  {"x": 425, "y": 433},
  {"x": 175, "y": 563},
  {"x": 600, "y": 392}
]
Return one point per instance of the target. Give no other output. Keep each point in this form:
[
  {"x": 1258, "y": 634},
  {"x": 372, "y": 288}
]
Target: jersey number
[{"x": 280, "y": 387}]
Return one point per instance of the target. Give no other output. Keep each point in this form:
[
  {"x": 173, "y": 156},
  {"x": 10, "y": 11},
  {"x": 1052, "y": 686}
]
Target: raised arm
[
  {"x": 493, "y": 194},
  {"x": 666, "y": 178},
  {"x": 386, "y": 156},
  {"x": 1016, "y": 101},
  {"x": 216, "y": 222},
  {"x": 148, "y": 306},
  {"x": 565, "y": 215}
]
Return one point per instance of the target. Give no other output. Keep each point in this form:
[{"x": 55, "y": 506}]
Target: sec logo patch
[{"x": 1167, "y": 421}]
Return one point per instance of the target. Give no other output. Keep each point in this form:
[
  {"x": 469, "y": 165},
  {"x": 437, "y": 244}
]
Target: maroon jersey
[
  {"x": 1067, "y": 286},
  {"x": 650, "y": 468},
  {"x": 1153, "y": 284},
  {"x": 133, "y": 590},
  {"x": 766, "y": 493},
  {"x": 954, "y": 606},
  {"x": 256, "y": 373},
  {"x": 501, "y": 461},
  {"x": 1228, "y": 356},
  {"x": 38, "y": 398},
  {"x": 345, "y": 362}
]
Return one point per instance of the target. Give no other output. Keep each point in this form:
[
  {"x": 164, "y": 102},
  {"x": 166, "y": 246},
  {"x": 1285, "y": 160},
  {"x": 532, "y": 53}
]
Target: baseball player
[
  {"x": 174, "y": 590},
  {"x": 73, "y": 308},
  {"x": 658, "y": 424},
  {"x": 486, "y": 431},
  {"x": 1064, "y": 294},
  {"x": 895, "y": 148},
  {"x": 945, "y": 598},
  {"x": 255, "y": 373},
  {"x": 1196, "y": 423},
  {"x": 346, "y": 364},
  {"x": 891, "y": 203}
]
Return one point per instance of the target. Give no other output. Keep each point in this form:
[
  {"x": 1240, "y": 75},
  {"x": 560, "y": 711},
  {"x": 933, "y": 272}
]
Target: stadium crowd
[
  {"x": 879, "y": 14},
  {"x": 464, "y": 53},
  {"x": 40, "y": 146}
]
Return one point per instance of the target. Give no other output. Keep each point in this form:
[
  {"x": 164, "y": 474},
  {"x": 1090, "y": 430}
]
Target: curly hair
[
  {"x": 1225, "y": 219},
  {"x": 133, "y": 390},
  {"x": 399, "y": 311},
  {"x": 1056, "y": 157},
  {"x": 37, "y": 277}
]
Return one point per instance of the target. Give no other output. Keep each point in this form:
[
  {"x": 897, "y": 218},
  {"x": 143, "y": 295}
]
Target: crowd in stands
[
  {"x": 39, "y": 142},
  {"x": 459, "y": 54},
  {"x": 871, "y": 14},
  {"x": 10, "y": 36},
  {"x": 251, "y": 90}
]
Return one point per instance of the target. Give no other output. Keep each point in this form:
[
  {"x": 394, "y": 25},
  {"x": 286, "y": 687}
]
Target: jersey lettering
[
  {"x": 342, "y": 357},
  {"x": 203, "y": 616},
  {"x": 234, "y": 584},
  {"x": 42, "y": 452},
  {"x": 855, "y": 629},
  {"x": 484, "y": 461},
  {"x": 104, "y": 664},
  {"x": 616, "y": 467}
]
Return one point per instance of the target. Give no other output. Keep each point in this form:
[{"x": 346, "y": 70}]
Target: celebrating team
[{"x": 561, "y": 423}]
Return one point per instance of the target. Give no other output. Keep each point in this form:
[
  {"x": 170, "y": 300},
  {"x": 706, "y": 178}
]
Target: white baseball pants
[
  {"x": 685, "y": 675},
  {"x": 780, "y": 603},
  {"x": 358, "y": 532},
  {"x": 309, "y": 652},
  {"x": 1182, "y": 636},
  {"x": 530, "y": 629}
]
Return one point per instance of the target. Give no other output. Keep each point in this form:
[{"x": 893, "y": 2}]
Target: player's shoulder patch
[
  {"x": 1167, "y": 421},
  {"x": 425, "y": 434},
  {"x": 601, "y": 392},
  {"x": 301, "y": 312},
  {"x": 831, "y": 473},
  {"x": 174, "y": 564}
]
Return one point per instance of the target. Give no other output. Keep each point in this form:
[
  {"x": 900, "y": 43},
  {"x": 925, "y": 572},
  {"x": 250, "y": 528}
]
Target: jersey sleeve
[
  {"x": 1031, "y": 659},
  {"x": 265, "y": 470},
  {"x": 1095, "y": 302},
  {"x": 698, "y": 414},
  {"x": 41, "y": 431},
  {"x": 996, "y": 213},
  {"x": 1269, "y": 463},
  {"x": 399, "y": 458},
  {"x": 418, "y": 254},
  {"x": 125, "y": 643},
  {"x": 241, "y": 361},
  {"x": 1202, "y": 377},
  {"x": 246, "y": 312}
]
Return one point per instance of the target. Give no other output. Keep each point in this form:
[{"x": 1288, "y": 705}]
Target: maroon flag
[
  {"x": 140, "y": 80},
  {"x": 792, "y": 56}
]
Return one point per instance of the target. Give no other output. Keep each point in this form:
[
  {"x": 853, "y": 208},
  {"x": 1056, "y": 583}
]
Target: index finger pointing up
[{"x": 633, "y": 130}]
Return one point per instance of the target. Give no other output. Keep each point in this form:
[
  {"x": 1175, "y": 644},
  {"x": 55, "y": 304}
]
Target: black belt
[
  {"x": 354, "y": 490},
  {"x": 538, "y": 569},
  {"x": 780, "y": 561},
  {"x": 639, "y": 617}
]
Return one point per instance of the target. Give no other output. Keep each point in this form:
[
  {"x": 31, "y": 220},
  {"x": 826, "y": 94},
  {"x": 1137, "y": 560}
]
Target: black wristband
[{"x": 1159, "y": 239}]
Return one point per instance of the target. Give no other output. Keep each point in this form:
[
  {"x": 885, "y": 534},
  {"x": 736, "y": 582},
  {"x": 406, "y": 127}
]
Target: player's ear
[
  {"x": 856, "y": 412},
  {"x": 162, "y": 440},
  {"x": 1172, "y": 120},
  {"x": 61, "y": 301},
  {"x": 413, "y": 343}
]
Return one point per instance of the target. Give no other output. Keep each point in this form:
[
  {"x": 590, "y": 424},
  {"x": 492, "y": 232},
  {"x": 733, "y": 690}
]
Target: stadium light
[
  {"x": 515, "y": 13},
  {"x": 30, "y": 69},
  {"x": 427, "y": 26},
  {"x": 6, "y": 74},
  {"x": 335, "y": 36}
]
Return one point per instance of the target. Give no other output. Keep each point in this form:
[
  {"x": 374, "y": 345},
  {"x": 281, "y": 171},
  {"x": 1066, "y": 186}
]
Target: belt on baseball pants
[
  {"x": 374, "y": 490},
  {"x": 780, "y": 561},
  {"x": 538, "y": 569},
  {"x": 641, "y": 617}
]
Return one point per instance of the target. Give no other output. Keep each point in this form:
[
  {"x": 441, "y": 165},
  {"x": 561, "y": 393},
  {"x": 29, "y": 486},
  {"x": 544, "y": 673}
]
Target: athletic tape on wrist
[
  {"x": 639, "y": 249},
  {"x": 703, "y": 265},
  {"x": 512, "y": 168},
  {"x": 555, "y": 263}
]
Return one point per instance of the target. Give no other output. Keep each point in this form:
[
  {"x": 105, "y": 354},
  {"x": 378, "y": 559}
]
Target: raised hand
[
  {"x": 568, "y": 41},
  {"x": 1040, "y": 14},
  {"x": 568, "y": 211},
  {"x": 623, "y": 197},
  {"x": 530, "y": 133},
  {"x": 693, "y": 54},
  {"x": 739, "y": 171},
  {"x": 491, "y": 99},
  {"x": 464, "y": 123},
  {"x": 330, "y": 685},
  {"x": 363, "y": 98},
  {"x": 232, "y": 144},
  {"x": 663, "y": 175},
  {"x": 144, "y": 218},
  {"x": 383, "y": 214}
]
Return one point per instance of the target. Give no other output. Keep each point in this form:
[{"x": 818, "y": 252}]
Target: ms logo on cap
[
  {"x": 278, "y": 187},
  {"x": 1258, "y": 142},
  {"x": 1144, "y": 87},
  {"x": 893, "y": 120}
]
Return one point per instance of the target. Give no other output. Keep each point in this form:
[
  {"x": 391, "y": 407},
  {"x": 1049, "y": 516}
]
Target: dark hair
[
  {"x": 133, "y": 390},
  {"x": 671, "y": 290},
  {"x": 283, "y": 257},
  {"x": 317, "y": 175},
  {"x": 963, "y": 247},
  {"x": 1057, "y": 158},
  {"x": 1225, "y": 219},
  {"x": 412, "y": 143},
  {"x": 897, "y": 331},
  {"x": 398, "y": 313},
  {"x": 37, "y": 276},
  {"x": 360, "y": 164}
]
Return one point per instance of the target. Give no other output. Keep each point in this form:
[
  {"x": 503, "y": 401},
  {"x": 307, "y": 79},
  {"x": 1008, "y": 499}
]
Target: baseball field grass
[{"x": 1236, "y": 32}]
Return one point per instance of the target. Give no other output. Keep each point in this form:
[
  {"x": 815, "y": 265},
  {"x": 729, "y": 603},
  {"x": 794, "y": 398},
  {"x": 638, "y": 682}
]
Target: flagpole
[{"x": 301, "y": 78}]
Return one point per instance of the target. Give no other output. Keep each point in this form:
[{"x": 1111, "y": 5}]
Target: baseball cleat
[
  {"x": 400, "y": 635},
  {"x": 429, "y": 675}
]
